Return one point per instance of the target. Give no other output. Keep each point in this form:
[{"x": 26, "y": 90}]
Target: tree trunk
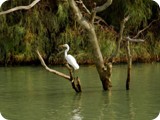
[{"x": 103, "y": 72}]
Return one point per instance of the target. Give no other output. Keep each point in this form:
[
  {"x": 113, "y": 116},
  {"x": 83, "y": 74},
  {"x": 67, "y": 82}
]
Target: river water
[{"x": 31, "y": 93}]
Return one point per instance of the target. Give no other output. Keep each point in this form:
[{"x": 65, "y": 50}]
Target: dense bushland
[{"x": 50, "y": 23}]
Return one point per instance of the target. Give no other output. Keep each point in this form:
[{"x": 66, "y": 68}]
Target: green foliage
[
  {"x": 49, "y": 24},
  {"x": 106, "y": 42},
  {"x": 140, "y": 12}
]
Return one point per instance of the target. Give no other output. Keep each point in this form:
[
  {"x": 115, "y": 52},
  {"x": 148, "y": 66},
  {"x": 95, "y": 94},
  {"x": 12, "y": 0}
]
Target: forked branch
[
  {"x": 120, "y": 38},
  {"x": 99, "y": 9},
  {"x": 80, "y": 19}
]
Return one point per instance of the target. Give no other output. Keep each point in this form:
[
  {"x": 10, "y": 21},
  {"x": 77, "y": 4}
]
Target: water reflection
[
  {"x": 30, "y": 93},
  {"x": 76, "y": 112},
  {"x": 106, "y": 105},
  {"x": 114, "y": 106},
  {"x": 130, "y": 105}
]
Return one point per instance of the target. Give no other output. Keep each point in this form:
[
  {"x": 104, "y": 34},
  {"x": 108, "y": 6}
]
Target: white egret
[
  {"x": 2, "y": 118},
  {"x": 158, "y": 2},
  {"x": 1, "y": 2},
  {"x": 158, "y": 117},
  {"x": 70, "y": 59}
]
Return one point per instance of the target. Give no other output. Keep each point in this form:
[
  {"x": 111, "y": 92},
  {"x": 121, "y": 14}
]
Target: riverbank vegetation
[{"x": 50, "y": 23}]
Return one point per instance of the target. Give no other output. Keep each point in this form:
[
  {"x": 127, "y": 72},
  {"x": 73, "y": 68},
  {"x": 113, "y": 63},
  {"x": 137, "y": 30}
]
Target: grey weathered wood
[
  {"x": 51, "y": 70},
  {"x": 89, "y": 26},
  {"x": 75, "y": 81},
  {"x": 20, "y": 8}
]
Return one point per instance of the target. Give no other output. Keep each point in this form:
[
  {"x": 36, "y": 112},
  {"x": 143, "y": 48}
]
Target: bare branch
[
  {"x": 134, "y": 40},
  {"x": 99, "y": 9},
  {"x": 103, "y": 7},
  {"x": 122, "y": 26},
  {"x": 51, "y": 70},
  {"x": 81, "y": 2},
  {"x": 99, "y": 19},
  {"x": 81, "y": 20},
  {"x": 145, "y": 28},
  {"x": 20, "y": 8}
]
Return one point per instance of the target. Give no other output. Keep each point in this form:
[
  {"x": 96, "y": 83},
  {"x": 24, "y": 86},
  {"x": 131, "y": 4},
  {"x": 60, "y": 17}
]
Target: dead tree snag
[{"x": 89, "y": 27}]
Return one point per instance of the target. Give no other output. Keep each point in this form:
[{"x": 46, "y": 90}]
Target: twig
[{"x": 145, "y": 28}]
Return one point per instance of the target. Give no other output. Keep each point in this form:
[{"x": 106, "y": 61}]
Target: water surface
[{"x": 31, "y": 93}]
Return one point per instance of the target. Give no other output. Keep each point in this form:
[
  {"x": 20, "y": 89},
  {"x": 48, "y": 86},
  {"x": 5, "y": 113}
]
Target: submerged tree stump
[
  {"x": 76, "y": 85},
  {"x": 129, "y": 56},
  {"x": 75, "y": 81},
  {"x": 88, "y": 25}
]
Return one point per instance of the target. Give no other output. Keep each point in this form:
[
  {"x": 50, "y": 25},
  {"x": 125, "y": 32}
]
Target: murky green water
[{"x": 31, "y": 93}]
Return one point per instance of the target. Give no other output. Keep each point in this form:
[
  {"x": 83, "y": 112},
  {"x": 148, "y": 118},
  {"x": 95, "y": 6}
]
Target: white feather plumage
[
  {"x": 70, "y": 59},
  {"x": 1, "y": 2},
  {"x": 1, "y": 117},
  {"x": 157, "y": 1}
]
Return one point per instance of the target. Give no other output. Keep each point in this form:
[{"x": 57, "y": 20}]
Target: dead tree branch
[
  {"x": 134, "y": 40},
  {"x": 75, "y": 82},
  {"x": 97, "y": 55},
  {"x": 103, "y": 7},
  {"x": 81, "y": 2},
  {"x": 99, "y": 9},
  {"x": 51, "y": 70},
  {"x": 137, "y": 35},
  {"x": 20, "y": 8},
  {"x": 87, "y": 10},
  {"x": 80, "y": 19},
  {"x": 120, "y": 38}
]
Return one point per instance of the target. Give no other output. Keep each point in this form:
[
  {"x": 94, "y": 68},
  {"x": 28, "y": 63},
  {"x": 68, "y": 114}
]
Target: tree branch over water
[
  {"x": 76, "y": 85},
  {"x": 20, "y": 8},
  {"x": 51, "y": 70}
]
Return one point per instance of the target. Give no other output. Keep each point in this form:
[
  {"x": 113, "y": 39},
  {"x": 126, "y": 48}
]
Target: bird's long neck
[{"x": 65, "y": 53}]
